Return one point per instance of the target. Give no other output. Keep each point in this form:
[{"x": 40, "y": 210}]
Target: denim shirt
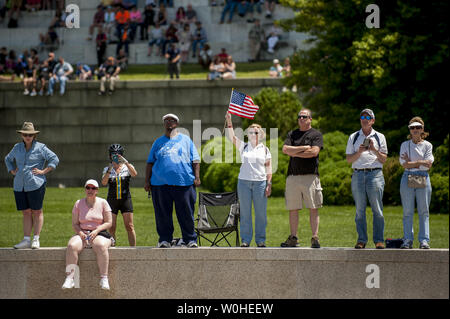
[{"x": 25, "y": 161}]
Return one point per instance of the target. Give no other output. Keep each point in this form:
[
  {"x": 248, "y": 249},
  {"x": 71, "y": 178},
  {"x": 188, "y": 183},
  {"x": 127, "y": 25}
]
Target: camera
[
  {"x": 366, "y": 142},
  {"x": 115, "y": 158}
]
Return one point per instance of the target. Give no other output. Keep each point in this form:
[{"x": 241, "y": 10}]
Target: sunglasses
[
  {"x": 27, "y": 135},
  {"x": 303, "y": 117},
  {"x": 91, "y": 188},
  {"x": 170, "y": 120},
  {"x": 366, "y": 117},
  {"x": 419, "y": 127}
]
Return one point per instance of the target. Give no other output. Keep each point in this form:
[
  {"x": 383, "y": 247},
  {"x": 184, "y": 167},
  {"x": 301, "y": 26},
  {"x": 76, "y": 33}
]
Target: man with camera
[{"x": 367, "y": 152}]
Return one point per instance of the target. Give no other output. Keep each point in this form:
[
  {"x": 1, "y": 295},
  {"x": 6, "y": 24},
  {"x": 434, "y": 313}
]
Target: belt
[{"x": 366, "y": 169}]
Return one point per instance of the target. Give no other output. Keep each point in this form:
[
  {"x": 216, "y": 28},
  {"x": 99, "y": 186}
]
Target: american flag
[{"x": 242, "y": 105}]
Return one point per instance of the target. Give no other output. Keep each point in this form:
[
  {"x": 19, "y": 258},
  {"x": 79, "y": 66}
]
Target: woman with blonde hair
[
  {"x": 254, "y": 182},
  {"x": 416, "y": 156}
]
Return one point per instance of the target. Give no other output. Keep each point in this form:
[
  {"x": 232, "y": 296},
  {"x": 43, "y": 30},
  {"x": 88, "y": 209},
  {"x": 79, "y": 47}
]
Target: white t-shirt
[
  {"x": 367, "y": 159},
  {"x": 415, "y": 152},
  {"x": 253, "y": 161}
]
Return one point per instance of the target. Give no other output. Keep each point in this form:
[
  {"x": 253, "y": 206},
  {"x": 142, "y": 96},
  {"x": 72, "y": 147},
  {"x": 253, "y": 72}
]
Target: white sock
[
  {"x": 36, "y": 237},
  {"x": 27, "y": 238},
  {"x": 104, "y": 276}
]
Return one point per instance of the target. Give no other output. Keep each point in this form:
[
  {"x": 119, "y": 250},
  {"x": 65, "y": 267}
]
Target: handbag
[
  {"x": 414, "y": 180},
  {"x": 417, "y": 181}
]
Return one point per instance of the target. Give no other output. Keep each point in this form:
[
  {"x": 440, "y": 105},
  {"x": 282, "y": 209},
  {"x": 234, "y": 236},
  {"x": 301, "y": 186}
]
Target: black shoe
[
  {"x": 245, "y": 245},
  {"x": 292, "y": 241},
  {"x": 101, "y": 93},
  {"x": 110, "y": 92},
  {"x": 315, "y": 242},
  {"x": 261, "y": 245}
]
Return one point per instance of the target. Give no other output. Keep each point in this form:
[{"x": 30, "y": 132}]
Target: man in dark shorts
[{"x": 302, "y": 183}]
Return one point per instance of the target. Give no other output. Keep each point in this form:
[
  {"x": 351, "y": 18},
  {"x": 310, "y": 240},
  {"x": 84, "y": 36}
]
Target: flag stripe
[
  {"x": 238, "y": 109},
  {"x": 241, "y": 115}
]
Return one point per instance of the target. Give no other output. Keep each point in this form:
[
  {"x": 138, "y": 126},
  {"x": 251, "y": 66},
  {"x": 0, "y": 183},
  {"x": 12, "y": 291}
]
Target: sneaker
[
  {"x": 41, "y": 93},
  {"x": 163, "y": 244},
  {"x": 26, "y": 92},
  {"x": 315, "y": 242},
  {"x": 292, "y": 241},
  {"x": 23, "y": 244},
  {"x": 424, "y": 245},
  {"x": 101, "y": 93},
  {"x": 104, "y": 284},
  {"x": 192, "y": 244},
  {"x": 379, "y": 245},
  {"x": 245, "y": 245},
  {"x": 113, "y": 242},
  {"x": 261, "y": 245},
  {"x": 35, "y": 243},
  {"x": 33, "y": 93},
  {"x": 407, "y": 244},
  {"x": 68, "y": 283}
]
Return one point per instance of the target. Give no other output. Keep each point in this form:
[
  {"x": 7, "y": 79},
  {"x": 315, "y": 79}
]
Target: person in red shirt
[{"x": 99, "y": 19}]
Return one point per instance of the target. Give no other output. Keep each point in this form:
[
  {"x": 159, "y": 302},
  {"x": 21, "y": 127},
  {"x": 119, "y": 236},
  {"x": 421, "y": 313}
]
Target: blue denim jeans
[
  {"x": 248, "y": 192},
  {"x": 409, "y": 197},
  {"x": 369, "y": 185},
  {"x": 62, "y": 84},
  {"x": 229, "y": 6}
]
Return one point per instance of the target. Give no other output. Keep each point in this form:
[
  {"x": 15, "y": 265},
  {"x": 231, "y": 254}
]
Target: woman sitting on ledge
[{"x": 91, "y": 217}]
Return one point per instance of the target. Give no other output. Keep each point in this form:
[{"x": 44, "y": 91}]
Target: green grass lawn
[
  {"x": 337, "y": 227},
  {"x": 192, "y": 71}
]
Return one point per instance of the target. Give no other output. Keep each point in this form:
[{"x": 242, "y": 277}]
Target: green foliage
[
  {"x": 440, "y": 194},
  {"x": 335, "y": 172},
  {"x": 399, "y": 70},
  {"x": 277, "y": 110},
  {"x": 440, "y": 164},
  {"x": 392, "y": 171}
]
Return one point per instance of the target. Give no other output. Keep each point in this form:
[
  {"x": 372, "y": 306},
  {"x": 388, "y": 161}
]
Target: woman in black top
[{"x": 117, "y": 175}]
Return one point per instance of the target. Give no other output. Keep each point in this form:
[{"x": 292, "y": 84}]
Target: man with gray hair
[
  {"x": 302, "y": 183},
  {"x": 367, "y": 152}
]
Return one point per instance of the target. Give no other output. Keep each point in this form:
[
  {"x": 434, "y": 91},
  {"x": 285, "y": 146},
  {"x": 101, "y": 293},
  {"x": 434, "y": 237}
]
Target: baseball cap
[
  {"x": 368, "y": 111},
  {"x": 172, "y": 116},
  {"x": 91, "y": 182},
  {"x": 276, "y": 61}
]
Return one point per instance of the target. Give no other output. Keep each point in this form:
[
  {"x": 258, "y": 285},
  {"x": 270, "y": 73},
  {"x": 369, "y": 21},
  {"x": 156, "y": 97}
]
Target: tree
[{"x": 398, "y": 70}]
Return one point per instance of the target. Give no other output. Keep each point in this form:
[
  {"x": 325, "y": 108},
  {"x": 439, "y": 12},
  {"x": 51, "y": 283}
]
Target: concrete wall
[
  {"x": 76, "y": 48},
  {"x": 230, "y": 273},
  {"x": 80, "y": 126}
]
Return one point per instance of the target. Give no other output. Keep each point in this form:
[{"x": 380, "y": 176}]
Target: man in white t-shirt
[{"x": 367, "y": 152}]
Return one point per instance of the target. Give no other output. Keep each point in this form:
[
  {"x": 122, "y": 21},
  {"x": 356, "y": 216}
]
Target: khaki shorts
[{"x": 301, "y": 188}]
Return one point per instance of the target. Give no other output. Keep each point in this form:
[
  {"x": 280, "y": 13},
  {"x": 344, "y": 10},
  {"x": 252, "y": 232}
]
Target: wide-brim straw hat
[{"x": 28, "y": 128}]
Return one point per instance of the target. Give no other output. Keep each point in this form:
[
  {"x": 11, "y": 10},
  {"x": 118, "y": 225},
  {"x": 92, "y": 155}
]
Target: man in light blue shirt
[
  {"x": 172, "y": 173},
  {"x": 26, "y": 162},
  {"x": 61, "y": 74}
]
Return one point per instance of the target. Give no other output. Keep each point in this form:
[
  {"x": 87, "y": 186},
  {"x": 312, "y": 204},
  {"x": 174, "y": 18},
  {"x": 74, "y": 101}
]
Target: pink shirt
[{"x": 91, "y": 218}]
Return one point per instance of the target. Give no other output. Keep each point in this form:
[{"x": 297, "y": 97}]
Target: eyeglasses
[
  {"x": 88, "y": 188},
  {"x": 418, "y": 127},
  {"x": 253, "y": 133},
  {"x": 303, "y": 117},
  {"x": 366, "y": 117},
  {"x": 27, "y": 135},
  {"x": 170, "y": 120}
]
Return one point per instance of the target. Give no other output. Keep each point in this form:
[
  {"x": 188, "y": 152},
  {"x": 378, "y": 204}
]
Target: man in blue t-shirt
[{"x": 172, "y": 173}]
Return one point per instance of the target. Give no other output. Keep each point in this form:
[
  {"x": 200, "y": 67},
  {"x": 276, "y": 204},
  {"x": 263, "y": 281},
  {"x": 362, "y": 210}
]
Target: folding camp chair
[{"x": 218, "y": 213}]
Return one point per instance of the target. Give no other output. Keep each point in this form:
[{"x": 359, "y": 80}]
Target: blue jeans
[
  {"x": 184, "y": 197},
  {"x": 409, "y": 197},
  {"x": 229, "y": 6},
  {"x": 194, "y": 45},
  {"x": 62, "y": 84},
  {"x": 248, "y": 192},
  {"x": 369, "y": 185}
]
